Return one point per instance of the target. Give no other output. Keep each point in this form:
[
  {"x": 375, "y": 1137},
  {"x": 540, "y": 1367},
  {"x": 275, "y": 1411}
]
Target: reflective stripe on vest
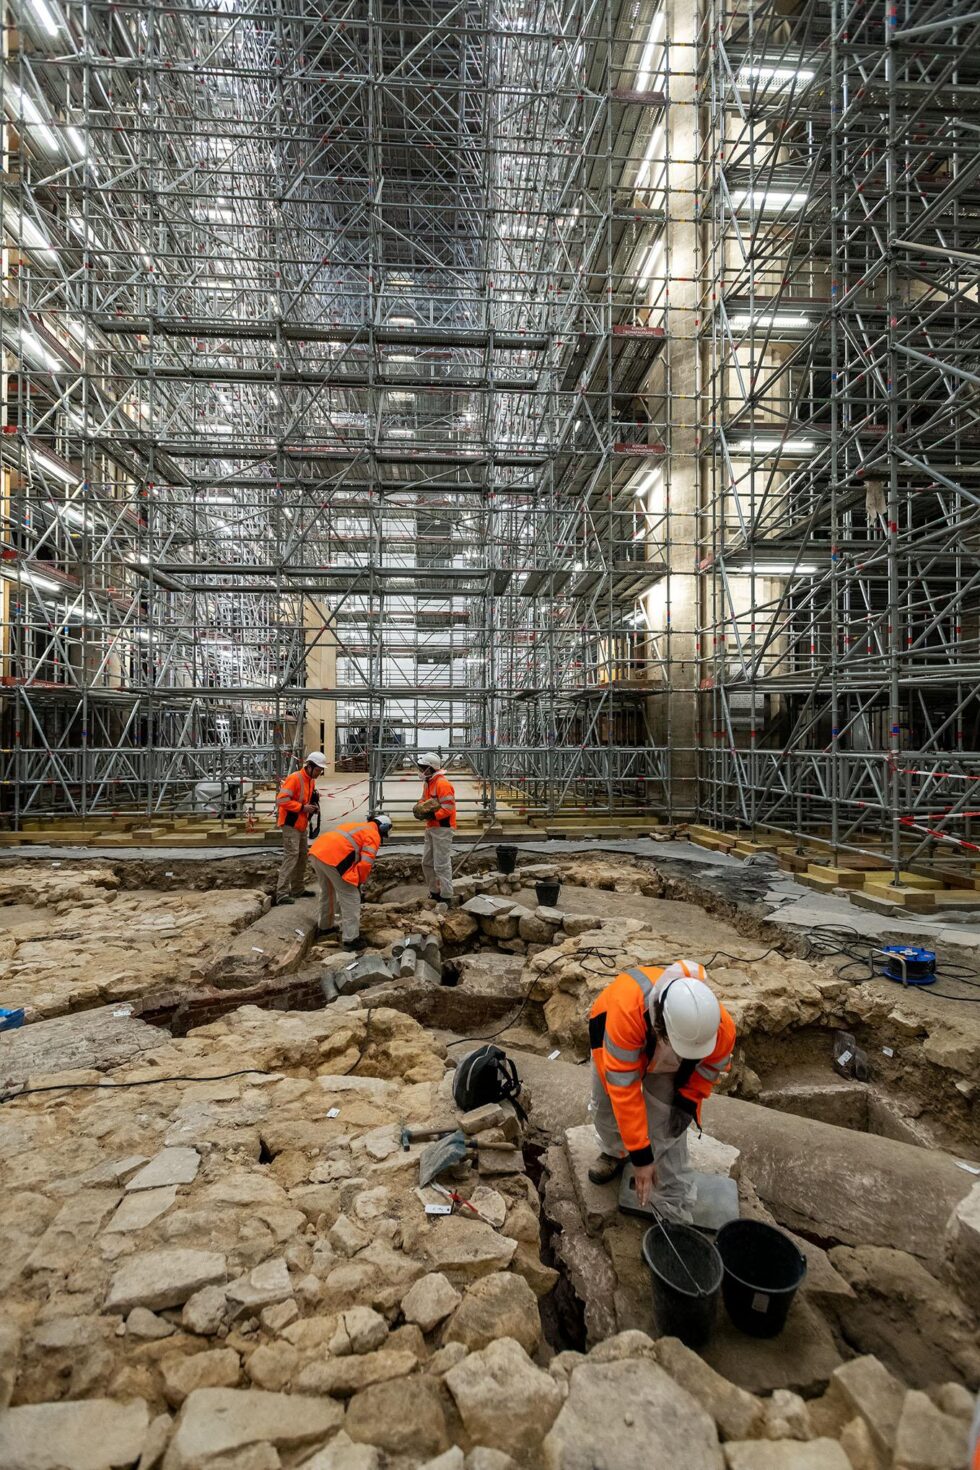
[
  {"x": 622, "y": 1053},
  {"x": 643, "y": 981}
]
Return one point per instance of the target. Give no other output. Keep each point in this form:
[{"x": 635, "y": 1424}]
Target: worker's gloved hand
[
  {"x": 645, "y": 1178},
  {"x": 680, "y": 1119}
]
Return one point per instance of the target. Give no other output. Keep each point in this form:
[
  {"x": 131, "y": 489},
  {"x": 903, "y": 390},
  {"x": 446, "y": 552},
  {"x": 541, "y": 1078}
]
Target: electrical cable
[
  {"x": 141, "y": 1082},
  {"x": 828, "y": 941}
]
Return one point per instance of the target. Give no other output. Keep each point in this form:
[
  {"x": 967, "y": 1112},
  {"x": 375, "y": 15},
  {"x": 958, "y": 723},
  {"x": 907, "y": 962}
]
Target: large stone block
[
  {"x": 164, "y": 1278},
  {"x": 221, "y": 1421},
  {"x": 96, "y": 1434},
  {"x": 963, "y": 1236},
  {"x": 632, "y": 1415},
  {"x": 503, "y": 1399}
]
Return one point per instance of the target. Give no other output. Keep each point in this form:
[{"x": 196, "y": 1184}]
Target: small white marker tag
[
  {"x": 438, "y": 1209},
  {"x": 970, "y": 1168},
  {"x": 843, "y": 1059},
  {"x": 299, "y": 932},
  {"x": 168, "y": 875},
  {"x": 887, "y": 1051},
  {"x": 760, "y": 1301},
  {"x": 56, "y": 865},
  {"x": 554, "y": 1055},
  {"x": 124, "y": 1011},
  {"x": 256, "y": 950},
  {"x": 333, "y": 1112},
  {"x": 351, "y": 966}
]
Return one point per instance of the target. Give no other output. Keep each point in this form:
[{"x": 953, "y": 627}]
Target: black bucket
[
  {"x": 506, "y": 859},
  {"x": 685, "y": 1274},
  {"x": 763, "y": 1271},
  {"x": 547, "y": 892}
]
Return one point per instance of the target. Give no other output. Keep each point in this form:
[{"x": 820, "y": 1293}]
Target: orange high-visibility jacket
[
  {"x": 351, "y": 848},
  {"x": 298, "y": 789},
  {"x": 623, "y": 1045},
  {"x": 443, "y": 790}
]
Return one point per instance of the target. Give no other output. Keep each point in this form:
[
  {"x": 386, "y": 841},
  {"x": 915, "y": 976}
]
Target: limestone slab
[
  {"x": 164, "y": 1278},
  {"x": 97, "y": 1434},
  {"x": 801, "y": 1358},
  {"x": 216, "y": 1421},
  {"x": 632, "y": 1415},
  {"x": 792, "y": 1454},
  {"x": 171, "y": 1166},
  {"x": 136, "y": 1211}
]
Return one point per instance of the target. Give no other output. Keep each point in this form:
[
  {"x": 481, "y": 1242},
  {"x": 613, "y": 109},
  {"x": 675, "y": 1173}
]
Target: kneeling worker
[
  {"x": 342, "y": 861},
  {"x": 660, "y": 1041},
  {"x": 296, "y": 803},
  {"x": 438, "y": 803}
]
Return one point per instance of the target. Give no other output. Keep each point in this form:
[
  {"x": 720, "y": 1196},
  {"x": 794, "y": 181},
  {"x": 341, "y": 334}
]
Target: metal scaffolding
[
  {"x": 841, "y": 498},
  {"x": 334, "y": 377}
]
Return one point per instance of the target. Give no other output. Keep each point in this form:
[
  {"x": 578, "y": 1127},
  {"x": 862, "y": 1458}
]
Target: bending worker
[
  {"x": 439, "y": 794},
  {"x": 660, "y": 1041},
  {"x": 298, "y": 799},
  {"x": 342, "y": 861}
]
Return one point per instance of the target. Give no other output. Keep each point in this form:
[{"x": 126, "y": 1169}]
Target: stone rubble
[{"x": 238, "y": 1273}]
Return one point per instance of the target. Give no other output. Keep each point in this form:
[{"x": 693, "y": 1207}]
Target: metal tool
[
  {"x": 411, "y": 1135},
  {"x": 442, "y": 1155},
  {"x": 464, "y": 1204}
]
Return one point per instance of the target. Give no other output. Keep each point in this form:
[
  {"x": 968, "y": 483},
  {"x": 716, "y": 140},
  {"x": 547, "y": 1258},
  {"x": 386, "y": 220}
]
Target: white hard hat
[
  {"x": 690, "y": 1009},
  {"x": 429, "y": 758},
  {"x": 382, "y": 822},
  {"x": 316, "y": 758}
]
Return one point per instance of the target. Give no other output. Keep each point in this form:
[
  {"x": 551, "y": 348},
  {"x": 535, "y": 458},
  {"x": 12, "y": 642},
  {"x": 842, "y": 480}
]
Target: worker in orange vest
[
  {"x": 439, "y": 794},
  {"x": 660, "y": 1041},
  {"x": 295, "y": 805},
  {"x": 342, "y": 861}
]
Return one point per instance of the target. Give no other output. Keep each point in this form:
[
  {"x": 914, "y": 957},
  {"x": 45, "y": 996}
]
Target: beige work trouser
[
  {"x": 674, "y": 1191},
  {"x": 437, "y": 860},
  {"x": 336, "y": 895},
  {"x": 292, "y": 870}
]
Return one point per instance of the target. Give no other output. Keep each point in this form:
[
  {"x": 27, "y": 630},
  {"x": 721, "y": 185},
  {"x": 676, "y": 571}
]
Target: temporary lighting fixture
[
  {"x": 757, "y": 445},
  {"x": 55, "y": 467},
  {"x": 646, "y": 482},
  {"x": 645, "y": 69},
  {"x": 743, "y": 321},
  {"x": 768, "y": 201},
  {"x": 401, "y": 397},
  {"x": 45, "y": 16},
  {"x": 781, "y": 569},
  {"x": 400, "y": 281},
  {"x": 769, "y": 75},
  {"x": 651, "y": 263},
  {"x": 32, "y": 347},
  {"x": 29, "y": 235},
  {"x": 401, "y": 433},
  {"x": 402, "y": 357},
  {"x": 21, "y": 107},
  {"x": 77, "y": 140},
  {"x": 40, "y": 584},
  {"x": 648, "y": 160},
  {"x": 402, "y": 321},
  {"x": 72, "y": 513}
]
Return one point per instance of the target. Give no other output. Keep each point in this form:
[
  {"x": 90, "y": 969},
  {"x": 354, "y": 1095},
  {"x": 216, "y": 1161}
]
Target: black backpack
[{"x": 486, "y": 1075}]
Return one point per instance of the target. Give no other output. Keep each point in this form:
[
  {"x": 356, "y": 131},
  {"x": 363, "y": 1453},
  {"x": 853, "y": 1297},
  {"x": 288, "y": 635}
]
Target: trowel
[{"x": 444, "y": 1154}]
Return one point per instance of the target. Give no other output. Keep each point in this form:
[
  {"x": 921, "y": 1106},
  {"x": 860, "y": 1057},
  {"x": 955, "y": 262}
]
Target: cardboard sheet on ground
[{"x": 716, "y": 1203}]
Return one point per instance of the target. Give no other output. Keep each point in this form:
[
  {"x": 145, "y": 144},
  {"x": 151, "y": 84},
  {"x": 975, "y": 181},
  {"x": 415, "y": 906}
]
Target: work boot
[
  {"x": 436, "y": 897},
  {"x": 326, "y": 933},
  {"x": 307, "y": 893},
  {"x": 605, "y": 1169},
  {"x": 355, "y": 944},
  {"x": 285, "y": 899}
]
